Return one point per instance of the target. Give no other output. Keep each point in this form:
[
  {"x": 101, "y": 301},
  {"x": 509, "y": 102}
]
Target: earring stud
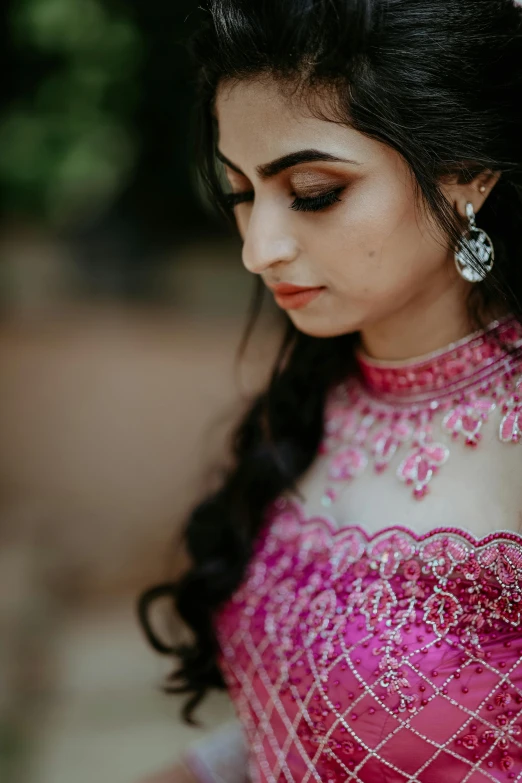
[{"x": 482, "y": 189}]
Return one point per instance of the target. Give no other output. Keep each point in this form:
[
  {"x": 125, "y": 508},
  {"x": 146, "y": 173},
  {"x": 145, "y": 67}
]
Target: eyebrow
[{"x": 269, "y": 170}]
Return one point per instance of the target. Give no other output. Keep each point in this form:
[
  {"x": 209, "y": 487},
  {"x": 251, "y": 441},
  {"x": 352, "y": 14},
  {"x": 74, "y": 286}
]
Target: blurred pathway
[
  {"x": 107, "y": 719},
  {"x": 110, "y": 419}
]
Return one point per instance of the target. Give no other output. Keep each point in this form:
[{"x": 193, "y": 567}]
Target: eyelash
[{"x": 315, "y": 204}]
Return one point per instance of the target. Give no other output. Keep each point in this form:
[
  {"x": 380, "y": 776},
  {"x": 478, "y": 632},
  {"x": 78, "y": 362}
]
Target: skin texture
[{"x": 383, "y": 263}]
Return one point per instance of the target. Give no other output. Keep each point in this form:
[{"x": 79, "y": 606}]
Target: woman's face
[{"x": 339, "y": 219}]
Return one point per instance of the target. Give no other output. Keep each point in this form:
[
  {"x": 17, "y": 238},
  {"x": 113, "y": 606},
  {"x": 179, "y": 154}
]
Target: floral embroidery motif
[
  {"x": 505, "y": 733},
  {"x": 511, "y": 427},
  {"x": 348, "y": 464},
  {"x": 386, "y": 442},
  {"x": 421, "y": 465},
  {"x": 390, "y": 408},
  {"x": 468, "y": 420},
  {"x": 503, "y": 738},
  {"x": 349, "y": 637},
  {"x": 443, "y": 611},
  {"x": 511, "y": 424}
]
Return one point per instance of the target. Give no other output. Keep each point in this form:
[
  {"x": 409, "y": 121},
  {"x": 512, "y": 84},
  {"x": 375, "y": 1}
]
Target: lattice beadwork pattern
[{"x": 385, "y": 658}]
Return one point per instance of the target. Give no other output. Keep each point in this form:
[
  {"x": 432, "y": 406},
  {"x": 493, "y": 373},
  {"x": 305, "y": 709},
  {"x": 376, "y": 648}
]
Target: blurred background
[{"x": 122, "y": 302}]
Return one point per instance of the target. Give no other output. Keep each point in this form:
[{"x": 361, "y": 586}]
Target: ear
[{"x": 475, "y": 191}]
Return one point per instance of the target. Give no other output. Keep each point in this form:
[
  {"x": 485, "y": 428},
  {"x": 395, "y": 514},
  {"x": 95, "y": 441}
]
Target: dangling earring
[{"x": 475, "y": 254}]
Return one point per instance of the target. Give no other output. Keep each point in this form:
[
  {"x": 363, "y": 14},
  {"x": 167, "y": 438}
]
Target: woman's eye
[
  {"x": 310, "y": 204},
  {"x": 317, "y": 203},
  {"x": 233, "y": 199}
]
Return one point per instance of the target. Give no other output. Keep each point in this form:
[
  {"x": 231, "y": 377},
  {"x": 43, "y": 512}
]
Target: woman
[{"x": 356, "y": 583}]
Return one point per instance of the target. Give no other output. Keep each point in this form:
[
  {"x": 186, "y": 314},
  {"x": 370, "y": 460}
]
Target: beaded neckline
[
  {"x": 442, "y": 373},
  {"x": 295, "y": 510},
  {"x": 392, "y": 408}
]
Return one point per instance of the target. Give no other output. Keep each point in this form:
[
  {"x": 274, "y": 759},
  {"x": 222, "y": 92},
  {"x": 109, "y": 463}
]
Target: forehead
[{"x": 258, "y": 122}]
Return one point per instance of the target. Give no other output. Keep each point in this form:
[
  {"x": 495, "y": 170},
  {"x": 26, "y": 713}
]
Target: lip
[{"x": 294, "y": 297}]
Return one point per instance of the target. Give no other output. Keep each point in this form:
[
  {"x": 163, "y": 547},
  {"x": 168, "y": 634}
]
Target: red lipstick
[{"x": 293, "y": 297}]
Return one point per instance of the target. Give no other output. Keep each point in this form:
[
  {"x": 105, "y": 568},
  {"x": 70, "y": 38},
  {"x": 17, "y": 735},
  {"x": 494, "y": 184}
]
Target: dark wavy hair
[{"x": 439, "y": 81}]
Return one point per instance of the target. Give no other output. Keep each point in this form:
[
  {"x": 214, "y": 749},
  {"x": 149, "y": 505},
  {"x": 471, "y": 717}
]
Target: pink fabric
[
  {"x": 401, "y": 409},
  {"x": 386, "y": 658}
]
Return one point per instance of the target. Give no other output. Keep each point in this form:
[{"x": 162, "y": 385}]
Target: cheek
[{"x": 378, "y": 243}]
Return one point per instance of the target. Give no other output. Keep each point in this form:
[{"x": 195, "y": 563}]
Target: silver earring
[{"x": 475, "y": 254}]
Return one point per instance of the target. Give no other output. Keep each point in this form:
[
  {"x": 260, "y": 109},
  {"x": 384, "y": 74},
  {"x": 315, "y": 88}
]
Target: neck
[{"x": 422, "y": 326}]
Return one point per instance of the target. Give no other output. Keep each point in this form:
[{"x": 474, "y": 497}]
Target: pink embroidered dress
[{"x": 357, "y": 655}]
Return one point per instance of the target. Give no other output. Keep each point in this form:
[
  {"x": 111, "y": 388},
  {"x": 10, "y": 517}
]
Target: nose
[{"x": 267, "y": 240}]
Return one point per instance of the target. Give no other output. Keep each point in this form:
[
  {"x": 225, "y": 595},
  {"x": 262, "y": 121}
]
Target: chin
[{"x": 321, "y": 327}]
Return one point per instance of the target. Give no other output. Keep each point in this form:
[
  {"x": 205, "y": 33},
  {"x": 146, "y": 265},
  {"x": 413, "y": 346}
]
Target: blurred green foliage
[{"x": 66, "y": 137}]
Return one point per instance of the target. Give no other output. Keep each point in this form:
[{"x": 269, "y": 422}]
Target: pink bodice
[
  {"x": 389, "y": 657},
  {"x": 385, "y": 658}
]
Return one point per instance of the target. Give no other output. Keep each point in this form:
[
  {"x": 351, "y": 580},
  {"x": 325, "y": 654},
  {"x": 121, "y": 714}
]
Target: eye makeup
[
  {"x": 309, "y": 204},
  {"x": 317, "y": 203},
  {"x": 311, "y": 190}
]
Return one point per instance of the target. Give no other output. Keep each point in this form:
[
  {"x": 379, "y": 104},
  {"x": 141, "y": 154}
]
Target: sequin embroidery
[
  {"x": 392, "y": 410},
  {"x": 362, "y": 658}
]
